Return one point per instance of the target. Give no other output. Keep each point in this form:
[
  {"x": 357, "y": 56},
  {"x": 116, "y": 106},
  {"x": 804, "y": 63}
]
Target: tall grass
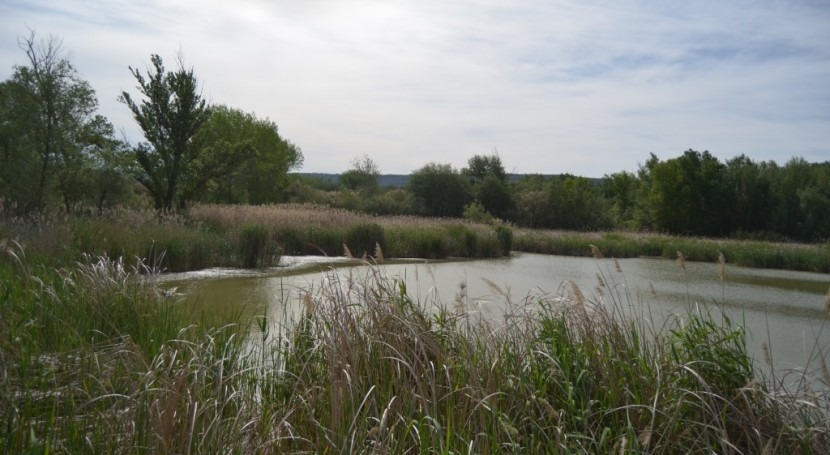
[
  {"x": 367, "y": 369},
  {"x": 314, "y": 230},
  {"x": 246, "y": 236},
  {"x": 790, "y": 256}
]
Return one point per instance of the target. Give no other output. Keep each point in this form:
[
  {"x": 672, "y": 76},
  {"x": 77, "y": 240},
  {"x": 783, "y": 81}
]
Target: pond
[{"x": 782, "y": 310}]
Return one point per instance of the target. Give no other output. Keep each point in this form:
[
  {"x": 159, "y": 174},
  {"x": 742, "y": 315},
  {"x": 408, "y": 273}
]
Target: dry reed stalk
[
  {"x": 721, "y": 266},
  {"x": 681, "y": 261},
  {"x": 827, "y": 302},
  {"x": 825, "y": 372},
  {"x": 617, "y": 265},
  {"x": 378, "y": 252},
  {"x": 767, "y": 355}
]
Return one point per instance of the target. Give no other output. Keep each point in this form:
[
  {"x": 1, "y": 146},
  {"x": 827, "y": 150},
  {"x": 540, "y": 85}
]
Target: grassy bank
[
  {"x": 256, "y": 236},
  {"x": 248, "y": 236},
  {"x": 788, "y": 256},
  {"x": 93, "y": 358}
]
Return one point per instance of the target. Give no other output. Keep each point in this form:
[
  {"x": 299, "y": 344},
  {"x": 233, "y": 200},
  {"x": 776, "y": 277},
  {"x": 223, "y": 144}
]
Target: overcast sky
[{"x": 578, "y": 86}]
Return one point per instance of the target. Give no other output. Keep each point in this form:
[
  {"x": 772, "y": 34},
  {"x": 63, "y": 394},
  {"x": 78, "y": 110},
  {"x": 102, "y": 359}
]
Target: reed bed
[
  {"x": 246, "y": 236},
  {"x": 367, "y": 369},
  {"x": 302, "y": 229},
  {"x": 760, "y": 254}
]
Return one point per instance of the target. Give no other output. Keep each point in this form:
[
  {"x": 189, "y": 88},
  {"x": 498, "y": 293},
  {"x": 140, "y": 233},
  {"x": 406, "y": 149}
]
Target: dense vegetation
[
  {"x": 95, "y": 358},
  {"x": 210, "y": 235},
  {"x": 57, "y": 152},
  {"x": 693, "y": 194}
]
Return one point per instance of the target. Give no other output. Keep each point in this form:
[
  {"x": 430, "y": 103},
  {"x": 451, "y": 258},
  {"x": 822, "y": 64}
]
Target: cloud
[{"x": 587, "y": 87}]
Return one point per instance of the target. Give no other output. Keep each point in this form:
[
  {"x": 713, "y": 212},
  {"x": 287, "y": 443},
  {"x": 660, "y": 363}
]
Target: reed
[
  {"x": 367, "y": 369},
  {"x": 789, "y": 256}
]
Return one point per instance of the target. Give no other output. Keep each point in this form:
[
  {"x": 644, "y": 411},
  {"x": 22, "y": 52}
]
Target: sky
[{"x": 553, "y": 86}]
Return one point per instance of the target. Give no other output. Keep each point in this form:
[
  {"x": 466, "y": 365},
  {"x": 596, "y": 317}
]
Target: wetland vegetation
[{"x": 95, "y": 357}]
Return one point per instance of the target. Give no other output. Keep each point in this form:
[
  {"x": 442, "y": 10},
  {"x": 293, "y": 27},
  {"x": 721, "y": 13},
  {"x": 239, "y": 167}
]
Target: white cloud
[{"x": 587, "y": 87}]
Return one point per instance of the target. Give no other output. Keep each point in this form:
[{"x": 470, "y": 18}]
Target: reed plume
[
  {"x": 347, "y": 252},
  {"x": 378, "y": 252},
  {"x": 681, "y": 260}
]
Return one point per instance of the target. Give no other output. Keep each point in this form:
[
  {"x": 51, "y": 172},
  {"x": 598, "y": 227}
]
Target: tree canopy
[
  {"x": 242, "y": 159},
  {"x": 440, "y": 190},
  {"x": 53, "y": 143},
  {"x": 170, "y": 115}
]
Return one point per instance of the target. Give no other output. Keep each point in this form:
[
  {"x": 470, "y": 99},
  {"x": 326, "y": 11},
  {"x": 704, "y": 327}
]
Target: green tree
[
  {"x": 242, "y": 159},
  {"x": 440, "y": 190},
  {"x": 480, "y": 166},
  {"x": 494, "y": 195},
  {"x": 488, "y": 181},
  {"x": 687, "y": 195},
  {"x": 575, "y": 203},
  {"x": 620, "y": 189},
  {"x": 362, "y": 176},
  {"x": 171, "y": 114},
  {"x": 748, "y": 189},
  {"x": 48, "y": 129}
]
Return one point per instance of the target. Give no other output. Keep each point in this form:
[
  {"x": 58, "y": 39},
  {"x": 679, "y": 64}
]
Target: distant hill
[{"x": 399, "y": 180}]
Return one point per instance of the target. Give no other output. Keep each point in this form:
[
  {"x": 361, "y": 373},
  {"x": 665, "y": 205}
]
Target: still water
[{"x": 781, "y": 309}]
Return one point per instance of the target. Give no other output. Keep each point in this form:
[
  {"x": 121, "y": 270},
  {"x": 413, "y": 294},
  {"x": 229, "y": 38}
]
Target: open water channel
[{"x": 783, "y": 310}]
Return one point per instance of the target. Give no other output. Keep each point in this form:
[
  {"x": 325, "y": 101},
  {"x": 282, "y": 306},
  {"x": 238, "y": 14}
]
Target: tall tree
[
  {"x": 687, "y": 195},
  {"x": 48, "y": 122},
  {"x": 171, "y": 114},
  {"x": 243, "y": 159}
]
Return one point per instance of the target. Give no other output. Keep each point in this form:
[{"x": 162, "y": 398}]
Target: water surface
[{"x": 783, "y": 310}]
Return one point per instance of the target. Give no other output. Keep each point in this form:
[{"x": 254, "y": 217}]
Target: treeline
[
  {"x": 692, "y": 194},
  {"x": 57, "y": 152}
]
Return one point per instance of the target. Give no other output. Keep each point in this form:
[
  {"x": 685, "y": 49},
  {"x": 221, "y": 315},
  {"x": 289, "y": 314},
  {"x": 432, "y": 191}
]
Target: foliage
[
  {"x": 476, "y": 213},
  {"x": 365, "y": 368},
  {"x": 170, "y": 115},
  {"x": 54, "y": 149},
  {"x": 440, "y": 190},
  {"x": 362, "y": 176},
  {"x": 363, "y": 239},
  {"x": 243, "y": 159},
  {"x": 481, "y": 166}
]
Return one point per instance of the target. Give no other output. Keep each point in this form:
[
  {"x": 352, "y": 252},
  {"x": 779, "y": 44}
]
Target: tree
[
  {"x": 480, "y": 166},
  {"x": 620, "y": 188},
  {"x": 748, "y": 189},
  {"x": 242, "y": 159},
  {"x": 171, "y": 114},
  {"x": 494, "y": 195},
  {"x": 363, "y": 175},
  {"x": 488, "y": 179},
  {"x": 47, "y": 129},
  {"x": 687, "y": 195},
  {"x": 575, "y": 203},
  {"x": 440, "y": 190}
]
